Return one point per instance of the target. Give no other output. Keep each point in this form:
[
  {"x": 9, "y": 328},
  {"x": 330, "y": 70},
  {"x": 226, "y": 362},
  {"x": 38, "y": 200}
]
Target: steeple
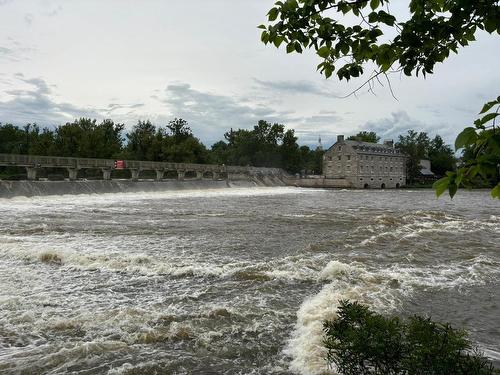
[{"x": 320, "y": 146}]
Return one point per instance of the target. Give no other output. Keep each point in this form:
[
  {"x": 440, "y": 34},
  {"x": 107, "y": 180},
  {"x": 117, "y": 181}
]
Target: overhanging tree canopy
[{"x": 351, "y": 36}]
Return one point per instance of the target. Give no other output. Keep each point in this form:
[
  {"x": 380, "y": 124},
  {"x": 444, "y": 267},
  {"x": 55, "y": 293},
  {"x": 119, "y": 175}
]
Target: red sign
[{"x": 119, "y": 164}]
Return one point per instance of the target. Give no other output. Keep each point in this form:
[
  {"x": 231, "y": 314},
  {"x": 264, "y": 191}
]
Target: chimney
[
  {"x": 340, "y": 138},
  {"x": 389, "y": 142}
]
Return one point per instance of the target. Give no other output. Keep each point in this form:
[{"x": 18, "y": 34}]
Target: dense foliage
[
  {"x": 365, "y": 136},
  {"x": 361, "y": 342},
  {"x": 351, "y": 36},
  {"x": 266, "y": 145},
  {"x": 419, "y": 146},
  {"x": 481, "y": 154}
]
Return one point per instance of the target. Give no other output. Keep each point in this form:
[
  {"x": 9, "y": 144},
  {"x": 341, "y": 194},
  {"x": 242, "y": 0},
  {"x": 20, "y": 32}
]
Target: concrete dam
[
  {"x": 186, "y": 176},
  {"x": 165, "y": 176}
]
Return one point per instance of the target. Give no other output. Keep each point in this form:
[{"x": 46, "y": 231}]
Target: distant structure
[
  {"x": 320, "y": 146},
  {"x": 426, "y": 175},
  {"x": 364, "y": 164}
]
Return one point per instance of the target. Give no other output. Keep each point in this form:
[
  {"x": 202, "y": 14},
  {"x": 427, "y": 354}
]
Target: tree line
[{"x": 266, "y": 145}]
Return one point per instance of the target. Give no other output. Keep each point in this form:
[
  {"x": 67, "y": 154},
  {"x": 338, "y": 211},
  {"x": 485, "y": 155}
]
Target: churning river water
[{"x": 233, "y": 281}]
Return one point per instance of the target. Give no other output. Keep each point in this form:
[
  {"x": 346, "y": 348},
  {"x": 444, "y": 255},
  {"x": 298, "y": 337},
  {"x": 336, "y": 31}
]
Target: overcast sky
[{"x": 202, "y": 60}]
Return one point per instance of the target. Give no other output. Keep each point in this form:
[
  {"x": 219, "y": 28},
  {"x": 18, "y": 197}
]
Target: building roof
[{"x": 369, "y": 147}]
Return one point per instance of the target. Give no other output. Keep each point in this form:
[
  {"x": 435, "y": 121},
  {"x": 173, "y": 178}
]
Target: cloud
[
  {"x": 301, "y": 87},
  {"x": 15, "y": 52},
  {"x": 34, "y": 104},
  {"x": 210, "y": 115},
  {"x": 28, "y": 18},
  {"x": 400, "y": 122}
]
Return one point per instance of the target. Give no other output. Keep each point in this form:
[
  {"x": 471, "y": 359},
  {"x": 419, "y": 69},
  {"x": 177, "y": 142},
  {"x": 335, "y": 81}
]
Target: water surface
[{"x": 234, "y": 281}]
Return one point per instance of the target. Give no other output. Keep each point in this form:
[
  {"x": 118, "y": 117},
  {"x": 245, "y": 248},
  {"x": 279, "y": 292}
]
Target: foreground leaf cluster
[
  {"x": 481, "y": 154},
  {"x": 362, "y": 342},
  {"x": 348, "y": 34}
]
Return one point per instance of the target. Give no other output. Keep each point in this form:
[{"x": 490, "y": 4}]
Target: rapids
[{"x": 233, "y": 281}]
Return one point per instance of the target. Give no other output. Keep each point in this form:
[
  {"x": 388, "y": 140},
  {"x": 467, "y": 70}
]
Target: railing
[{"x": 33, "y": 161}]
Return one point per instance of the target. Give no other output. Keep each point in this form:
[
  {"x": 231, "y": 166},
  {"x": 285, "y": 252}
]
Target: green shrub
[{"x": 362, "y": 342}]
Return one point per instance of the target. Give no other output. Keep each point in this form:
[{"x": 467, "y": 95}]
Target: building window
[
  {"x": 372, "y": 157},
  {"x": 391, "y": 169},
  {"x": 361, "y": 179},
  {"x": 348, "y": 157},
  {"x": 361, "y": 167},
  {"x": 340, "y": 148},
  {"x": 340, "y": 157}
]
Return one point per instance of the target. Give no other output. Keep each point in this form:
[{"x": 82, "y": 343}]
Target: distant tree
[
  {"x": 290, "y": 153},
  {"x": 365, "y": 136},
  {"x": 179, "y": 129},
  {"x": 441, "y": 156},
  {"x": 219, "y": 153},
  {"x": 141, "y": 140},
  {"x": 12, "y": 139},
  {"x": 415, "y": 146},
  {"x": 42, "y": 143}
]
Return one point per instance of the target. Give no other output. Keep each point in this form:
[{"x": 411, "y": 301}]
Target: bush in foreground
[{"x": 361, "y": 342}]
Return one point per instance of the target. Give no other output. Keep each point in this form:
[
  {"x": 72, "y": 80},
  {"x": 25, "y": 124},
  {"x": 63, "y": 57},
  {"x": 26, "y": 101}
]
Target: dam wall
[
  {"x": 10, "y": 189},
  {"x": 339, "y": 183}
]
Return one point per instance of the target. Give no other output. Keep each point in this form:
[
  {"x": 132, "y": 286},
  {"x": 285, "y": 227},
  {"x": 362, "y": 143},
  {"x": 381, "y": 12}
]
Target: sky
[{"x": 202, "y": 60}]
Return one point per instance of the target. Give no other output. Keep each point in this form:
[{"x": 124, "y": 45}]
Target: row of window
[
  {"x": 380, "y": 179},
  {"x": 387, "y": 169},
  {"x": 364, "y": 157}
]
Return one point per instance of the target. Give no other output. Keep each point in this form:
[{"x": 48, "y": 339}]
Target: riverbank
[{"x": 10, "y": 189}]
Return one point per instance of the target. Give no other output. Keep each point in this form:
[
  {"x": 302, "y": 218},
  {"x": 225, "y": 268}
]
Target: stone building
[{"x": 364, "y": 164}]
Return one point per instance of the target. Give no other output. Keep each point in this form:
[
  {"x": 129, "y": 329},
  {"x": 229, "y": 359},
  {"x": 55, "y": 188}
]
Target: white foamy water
[{"x": 234, "y": 280}]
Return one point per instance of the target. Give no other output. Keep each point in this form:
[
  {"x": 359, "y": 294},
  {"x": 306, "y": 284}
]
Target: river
[{"x": 233, "y": 281}]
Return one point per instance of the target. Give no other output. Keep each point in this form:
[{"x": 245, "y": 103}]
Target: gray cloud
[
  {"x": 15, "y": 52},
  {"x": 400, "y": 122},
  {"x": 34, "y": 104},
  {"x": 295, "y": 87},
  {"x": 28, "y": 18},
  {"x": 210, "y": 115}
]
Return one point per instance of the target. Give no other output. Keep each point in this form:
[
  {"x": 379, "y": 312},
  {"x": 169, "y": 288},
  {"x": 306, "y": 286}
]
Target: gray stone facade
[{"x": 364, "y": 164}]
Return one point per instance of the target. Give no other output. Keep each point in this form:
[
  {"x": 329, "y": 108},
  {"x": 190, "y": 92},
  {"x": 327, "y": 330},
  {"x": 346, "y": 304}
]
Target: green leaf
[
  {"x": 488, "y": 117},
  {"x": 495, "y": 192},
  {"x": 441, "y": 185},
  {"x": 273, "y": 14},
  {"x": 452, "y": 189},
  {"x": 488, "y": 106},
  {"x": 278, "y": 40},
  {"x": 324, "y": 52},
  {"x": 328, "y": 71},
  {"x": 264, "y": 37},
  {"x": 290, "y": 47},
  {"x": 466, "y": 137},
  {"x": 261, "y": 27},
  {"x": 374, "y": 4}
]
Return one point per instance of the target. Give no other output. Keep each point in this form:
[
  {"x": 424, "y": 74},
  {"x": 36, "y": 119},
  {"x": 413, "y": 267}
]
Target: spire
[{"x": 320, "y": 146}]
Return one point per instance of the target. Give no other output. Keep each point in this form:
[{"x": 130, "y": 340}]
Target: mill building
[{"x": 365, "y": 164}]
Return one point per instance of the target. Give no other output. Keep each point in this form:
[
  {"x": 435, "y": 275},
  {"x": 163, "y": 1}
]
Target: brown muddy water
[{"x": 233, "y": 281}]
